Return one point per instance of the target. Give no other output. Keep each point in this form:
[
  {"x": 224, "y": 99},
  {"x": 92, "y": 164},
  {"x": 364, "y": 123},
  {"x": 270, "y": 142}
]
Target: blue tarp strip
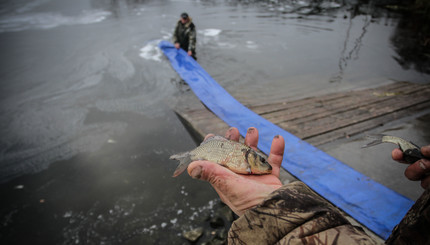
[{"x": 372, "y": 204}]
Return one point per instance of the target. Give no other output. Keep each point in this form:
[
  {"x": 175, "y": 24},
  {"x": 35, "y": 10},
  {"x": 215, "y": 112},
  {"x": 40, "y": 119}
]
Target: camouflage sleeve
[
  {"x": 414, "y": 227},
  {"x": 294, "y": 214},
  {"x": 193, "y": 40}
]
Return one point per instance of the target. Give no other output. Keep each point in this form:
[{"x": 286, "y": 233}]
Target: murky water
[{"x": 86, "y": 98}]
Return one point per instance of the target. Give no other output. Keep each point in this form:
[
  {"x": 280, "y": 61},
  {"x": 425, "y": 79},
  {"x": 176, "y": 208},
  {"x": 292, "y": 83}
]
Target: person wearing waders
[{"x": 184, "y": 35}]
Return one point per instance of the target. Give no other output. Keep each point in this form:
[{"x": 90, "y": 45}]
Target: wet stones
[
  {"x": 214, "y": 228},
  {"x": 226, "y": 212},
  {"x": 216, "y": 237},
  {"x": 193, "y": 235},
  {"x": 216, "y": 222}
]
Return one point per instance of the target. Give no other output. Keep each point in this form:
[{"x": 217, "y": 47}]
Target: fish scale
[
  {"x": 236, "y": 156},
  {"x": 228, "y": 154}
]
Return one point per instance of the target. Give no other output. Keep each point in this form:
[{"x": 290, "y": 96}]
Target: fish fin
[
  {"x": 184, "y": 161},
  {"x": 377, "y": 140},
  {"x": 214, "y": 137}
]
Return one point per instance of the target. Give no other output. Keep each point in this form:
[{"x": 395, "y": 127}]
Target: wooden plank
[
  {"x": 284, "y": 105},
  {"x": 322, "y": 119},
  {"x": 363, "y": 113},
  {"x": 323, "y": 107},
  {"x": 364, "y": 126}
]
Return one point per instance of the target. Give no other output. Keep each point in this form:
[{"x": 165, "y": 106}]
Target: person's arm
[
  {"x": 418, "y": 171},
  {"x": 413, "y": 229},
  {"x": 270, "y": 212},
  {"x": 294, "y": 214},
  {"x": 192, "y": 41}
]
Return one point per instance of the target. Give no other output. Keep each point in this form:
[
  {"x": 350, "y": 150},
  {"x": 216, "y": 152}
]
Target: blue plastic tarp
[{"x": 372, "y": 204}]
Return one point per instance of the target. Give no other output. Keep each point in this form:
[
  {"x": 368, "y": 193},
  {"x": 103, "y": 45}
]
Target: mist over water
[{"x": 86, "y": 102}]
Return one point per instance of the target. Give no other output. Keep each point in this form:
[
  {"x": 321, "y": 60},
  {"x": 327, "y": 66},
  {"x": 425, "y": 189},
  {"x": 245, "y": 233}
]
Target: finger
[
  {"x": 208, "y": 136},
  {"x": 425, "y": 150},
  {"x": 418, "y": 170},
  {"x": 215, "y": 174},
  {"x": 276, "y": 154},
  {"x": 251, "y": 138},
  {"x": 209, "y": 171},
  {"x": 232, "y": 134},
  {"x": 425, "y": 183},
  {"x": 397, "y": 155},
  {"x": 218, "y": 176}
]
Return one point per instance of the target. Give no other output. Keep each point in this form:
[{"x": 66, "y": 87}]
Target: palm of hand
[{"x": 241, "y": 192}]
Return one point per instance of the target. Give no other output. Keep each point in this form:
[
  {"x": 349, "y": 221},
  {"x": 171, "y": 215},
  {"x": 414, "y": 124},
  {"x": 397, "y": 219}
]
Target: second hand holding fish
[
  {"x": 409, "y": 153},
  {"x": 242, "y": 192},
  {"x": 418, "y": 171}
]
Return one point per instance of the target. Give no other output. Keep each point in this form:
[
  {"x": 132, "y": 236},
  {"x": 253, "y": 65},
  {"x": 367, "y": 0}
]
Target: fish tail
[
  {"x": 184, "y": 161},
  {"x": 377, "y": 139}
]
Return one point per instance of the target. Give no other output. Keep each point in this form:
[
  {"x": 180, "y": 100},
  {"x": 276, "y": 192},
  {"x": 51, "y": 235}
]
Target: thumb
[
  {"x": 224, "y": 181},
  {"x": 209, "y": 171}
]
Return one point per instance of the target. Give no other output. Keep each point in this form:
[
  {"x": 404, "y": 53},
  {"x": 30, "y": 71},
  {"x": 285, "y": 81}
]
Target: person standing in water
[{"x": 185, "y": 36}]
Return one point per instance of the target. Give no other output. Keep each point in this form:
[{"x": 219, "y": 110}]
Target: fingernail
[
  {"x": 276, "y": 136},
  {"x": 251, "y": 130},
  {"x": 422, "y": 165},
  {"x": 196, "y": 173}
]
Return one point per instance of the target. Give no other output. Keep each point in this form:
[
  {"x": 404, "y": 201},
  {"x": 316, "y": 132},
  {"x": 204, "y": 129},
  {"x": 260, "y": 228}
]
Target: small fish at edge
[{"x": 412, "y": 152}]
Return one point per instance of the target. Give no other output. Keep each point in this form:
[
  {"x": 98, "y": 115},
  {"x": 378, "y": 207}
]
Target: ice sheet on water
[
  {"x": 151, "y": 51},
  {"x": 210, "y": 32},
  {"x": 48, "y": 20},
  {"x": 251, "y": 45}
]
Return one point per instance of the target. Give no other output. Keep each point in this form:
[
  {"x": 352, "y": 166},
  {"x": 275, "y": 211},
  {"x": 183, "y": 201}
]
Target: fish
[
  {"x": 233, "y": 155},
  {"x": 411, "y": 152}
]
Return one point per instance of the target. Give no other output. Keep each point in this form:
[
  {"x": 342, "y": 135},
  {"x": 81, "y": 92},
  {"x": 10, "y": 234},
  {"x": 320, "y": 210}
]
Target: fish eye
[{"x": 261, "y": 158}]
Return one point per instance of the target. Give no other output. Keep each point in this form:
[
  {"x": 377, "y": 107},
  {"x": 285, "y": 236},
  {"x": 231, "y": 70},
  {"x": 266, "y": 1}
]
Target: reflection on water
[
  {"x": 411, "y": 40},
  {"x": 86, "y": 121},
  {"x": 352, "y": 53}
]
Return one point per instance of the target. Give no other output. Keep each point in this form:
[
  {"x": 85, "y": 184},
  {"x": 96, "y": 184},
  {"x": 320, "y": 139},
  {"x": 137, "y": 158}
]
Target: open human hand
[
  {"x": 242, "y": 192},
  {"x": 420, "y": 170}
]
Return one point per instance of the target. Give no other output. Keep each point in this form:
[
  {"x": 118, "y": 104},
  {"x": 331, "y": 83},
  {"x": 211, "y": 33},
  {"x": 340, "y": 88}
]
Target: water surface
[{"x": 86, "y": 102}]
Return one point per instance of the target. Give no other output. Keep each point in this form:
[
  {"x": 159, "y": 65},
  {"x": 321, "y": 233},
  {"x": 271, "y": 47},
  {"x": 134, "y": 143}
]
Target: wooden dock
[{"x": 322, "y": 119}]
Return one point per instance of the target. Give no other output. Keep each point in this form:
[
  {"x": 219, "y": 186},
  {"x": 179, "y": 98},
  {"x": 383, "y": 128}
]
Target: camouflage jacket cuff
[{"x": 295, "y": 214}]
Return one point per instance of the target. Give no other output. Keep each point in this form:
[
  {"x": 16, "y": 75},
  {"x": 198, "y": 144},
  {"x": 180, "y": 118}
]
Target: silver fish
[
  {"x": 411, "y": 152},
  {"x": 236, "y": 156}
]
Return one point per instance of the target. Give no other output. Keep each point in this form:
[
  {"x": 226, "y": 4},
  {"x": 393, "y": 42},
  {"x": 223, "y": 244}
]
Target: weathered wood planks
[{"x": 322, "y": 119}]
